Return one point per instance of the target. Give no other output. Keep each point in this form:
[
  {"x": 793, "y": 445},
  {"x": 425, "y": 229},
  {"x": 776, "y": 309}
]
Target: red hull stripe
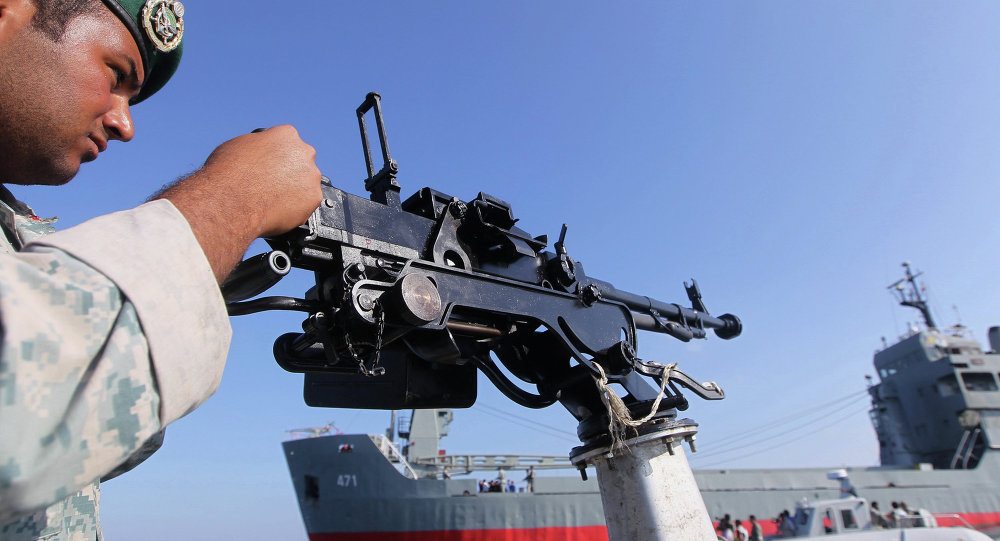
[
  {"x": 979, "y": 520},
  {"x": 581, "y": 533}
]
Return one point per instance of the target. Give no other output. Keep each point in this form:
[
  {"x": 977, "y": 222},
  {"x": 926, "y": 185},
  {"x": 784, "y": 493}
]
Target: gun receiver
[{"x": 413, "y": 297}]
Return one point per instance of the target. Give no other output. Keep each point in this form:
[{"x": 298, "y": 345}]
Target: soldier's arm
[
  {"x": 115, "y": 328},
  {"x": 111, "y": 330}
]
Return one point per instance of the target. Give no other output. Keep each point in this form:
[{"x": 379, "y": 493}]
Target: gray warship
[{"x": 935, "y": 410}]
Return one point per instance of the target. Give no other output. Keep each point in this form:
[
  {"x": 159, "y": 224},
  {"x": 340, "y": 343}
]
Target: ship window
[
  {"x": 312, "y": 488},
  {"x": 874, "y": 417},
  {"x": 847, "y": 517},
  {"x": 979, "y": 381},
  {"x": 947, "y": 385}
]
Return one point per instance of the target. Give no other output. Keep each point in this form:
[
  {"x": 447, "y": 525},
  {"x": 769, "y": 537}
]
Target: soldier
[
  {"x": 529, "y": 478},
  {"x": 95, "y": 359},
  {"x": 878, "y": 521},
  {"x": 756, "y": 532}
]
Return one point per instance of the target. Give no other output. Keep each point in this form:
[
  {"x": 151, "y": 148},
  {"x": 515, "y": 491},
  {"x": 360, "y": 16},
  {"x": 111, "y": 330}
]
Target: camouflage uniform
[{"x": 109, "y": 331}]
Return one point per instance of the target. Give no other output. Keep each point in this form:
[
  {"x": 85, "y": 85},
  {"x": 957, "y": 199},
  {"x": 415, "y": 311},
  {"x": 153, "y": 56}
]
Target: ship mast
[{"x": 908, "y": 293}]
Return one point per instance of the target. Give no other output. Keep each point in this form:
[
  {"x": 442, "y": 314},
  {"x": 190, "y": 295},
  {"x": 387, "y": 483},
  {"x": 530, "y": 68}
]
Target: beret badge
[{"x": 164, "y": 23}]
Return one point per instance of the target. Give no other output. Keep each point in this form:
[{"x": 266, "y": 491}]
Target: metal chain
[
  {"x": 379, "y": 316},
  {"x": 363, "y": 366},
  {"x": 352, "y": 353}
]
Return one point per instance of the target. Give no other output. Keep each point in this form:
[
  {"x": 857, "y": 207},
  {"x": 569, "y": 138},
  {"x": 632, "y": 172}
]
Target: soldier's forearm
[{"x": 224, "y": 232}]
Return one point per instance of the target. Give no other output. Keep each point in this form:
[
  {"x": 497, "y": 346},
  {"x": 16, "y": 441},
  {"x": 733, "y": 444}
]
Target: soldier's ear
[{"x": 15, "y": 16}]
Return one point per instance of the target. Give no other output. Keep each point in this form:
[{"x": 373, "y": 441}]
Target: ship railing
[
  {"x": 392, "y": 454},
  {"x": 965, "y": 448},
  {"x": 470, "y": 463},
  {"x": 951, "y": 520},
  {"x": 961, "y": 447},
  {"x": 972, "y": 447},
  {"x": 918, "y": 520}
]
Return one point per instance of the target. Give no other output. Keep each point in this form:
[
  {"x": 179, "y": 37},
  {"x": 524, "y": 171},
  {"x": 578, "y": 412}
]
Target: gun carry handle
[{"x": 382, "y": 185}]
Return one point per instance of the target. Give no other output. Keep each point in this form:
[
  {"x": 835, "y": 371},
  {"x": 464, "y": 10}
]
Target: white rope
[{"x": 619, "y": 417}]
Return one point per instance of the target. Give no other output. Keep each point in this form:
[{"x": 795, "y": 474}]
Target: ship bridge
[{"x": 938, "y": 400}]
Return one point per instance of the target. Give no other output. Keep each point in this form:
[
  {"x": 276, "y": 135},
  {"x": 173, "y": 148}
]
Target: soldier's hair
[{"x": 52, "y": 16}]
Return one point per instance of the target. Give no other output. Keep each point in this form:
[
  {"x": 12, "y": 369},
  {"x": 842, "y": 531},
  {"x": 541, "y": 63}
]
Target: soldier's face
[{"x": 61, "y": 101}]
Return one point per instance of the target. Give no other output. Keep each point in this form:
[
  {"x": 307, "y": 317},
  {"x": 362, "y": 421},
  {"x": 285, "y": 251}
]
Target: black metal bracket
[{"x": 382, "y": 185}]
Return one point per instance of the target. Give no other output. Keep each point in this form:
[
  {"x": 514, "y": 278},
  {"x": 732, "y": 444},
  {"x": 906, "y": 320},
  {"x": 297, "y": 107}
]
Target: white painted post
[{"x": 648, "y": 490}]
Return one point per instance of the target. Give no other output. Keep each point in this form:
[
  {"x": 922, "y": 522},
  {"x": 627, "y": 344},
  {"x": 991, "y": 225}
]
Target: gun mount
[{"x": 413, "y": 297}]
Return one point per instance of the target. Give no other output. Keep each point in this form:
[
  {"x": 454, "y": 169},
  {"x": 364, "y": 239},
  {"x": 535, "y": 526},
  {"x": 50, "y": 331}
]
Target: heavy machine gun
[{"x": 413, "y": 297}]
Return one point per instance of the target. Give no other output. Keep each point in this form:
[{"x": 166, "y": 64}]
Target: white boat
[{"x": 850, "y": 519}]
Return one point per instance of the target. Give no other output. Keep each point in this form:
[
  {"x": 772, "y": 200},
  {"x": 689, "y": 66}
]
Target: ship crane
[{"x": 315, "y": 431}]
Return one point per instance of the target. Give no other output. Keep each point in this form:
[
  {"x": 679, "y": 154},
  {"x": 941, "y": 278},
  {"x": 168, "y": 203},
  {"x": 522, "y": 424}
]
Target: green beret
[{"x": 158, "y": 28}]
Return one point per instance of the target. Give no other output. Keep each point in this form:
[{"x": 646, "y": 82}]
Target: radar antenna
[{"x": 908, "y": 293}]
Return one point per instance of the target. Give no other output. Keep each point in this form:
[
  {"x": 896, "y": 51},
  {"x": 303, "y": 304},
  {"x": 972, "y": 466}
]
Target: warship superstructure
[{"x": 935, "y": 410}]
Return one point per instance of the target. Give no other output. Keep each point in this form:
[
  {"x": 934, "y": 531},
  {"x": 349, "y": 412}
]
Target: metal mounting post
[{"x": 647, "y": 487}]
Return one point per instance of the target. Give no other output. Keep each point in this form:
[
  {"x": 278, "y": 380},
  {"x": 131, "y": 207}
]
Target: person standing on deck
[{"x": 756, "y": 532}]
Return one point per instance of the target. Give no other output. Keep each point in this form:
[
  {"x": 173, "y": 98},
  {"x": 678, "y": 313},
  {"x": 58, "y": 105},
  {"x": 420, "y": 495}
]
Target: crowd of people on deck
[
  {"x": 502, "y": 484},
  {"x": 897, "y": 517},
  {"x": 496, "y": 486},
  {"x": 785, "y": 527},
  {"x": 738, "y": 530}
]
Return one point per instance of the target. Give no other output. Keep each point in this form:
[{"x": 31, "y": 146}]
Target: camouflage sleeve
[{"x": 110, "y": 331}]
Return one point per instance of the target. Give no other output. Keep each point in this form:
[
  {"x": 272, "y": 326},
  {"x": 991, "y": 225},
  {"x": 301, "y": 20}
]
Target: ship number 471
[{"x": 348, "y": 480}]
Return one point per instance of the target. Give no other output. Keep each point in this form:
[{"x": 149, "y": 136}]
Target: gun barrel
[
  {"x": 726, "y": 326},
  {"x": 646, "y": 322},
  {"x": 255, "y": 275}
]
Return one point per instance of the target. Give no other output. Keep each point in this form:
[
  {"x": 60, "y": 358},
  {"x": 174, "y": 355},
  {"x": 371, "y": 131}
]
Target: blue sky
[{"x": 787, "y": 155}]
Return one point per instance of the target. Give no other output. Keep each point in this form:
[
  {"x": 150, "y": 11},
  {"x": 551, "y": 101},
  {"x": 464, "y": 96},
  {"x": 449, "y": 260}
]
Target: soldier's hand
[
  {"x": 273, "y": 175},
  {"x": 258, "y": 184}
]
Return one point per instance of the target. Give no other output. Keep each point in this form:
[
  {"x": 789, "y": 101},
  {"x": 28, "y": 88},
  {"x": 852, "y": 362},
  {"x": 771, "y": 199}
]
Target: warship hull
[
  {"x": 349, "y": 491},
  {"x": 935, "y": 410}
]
